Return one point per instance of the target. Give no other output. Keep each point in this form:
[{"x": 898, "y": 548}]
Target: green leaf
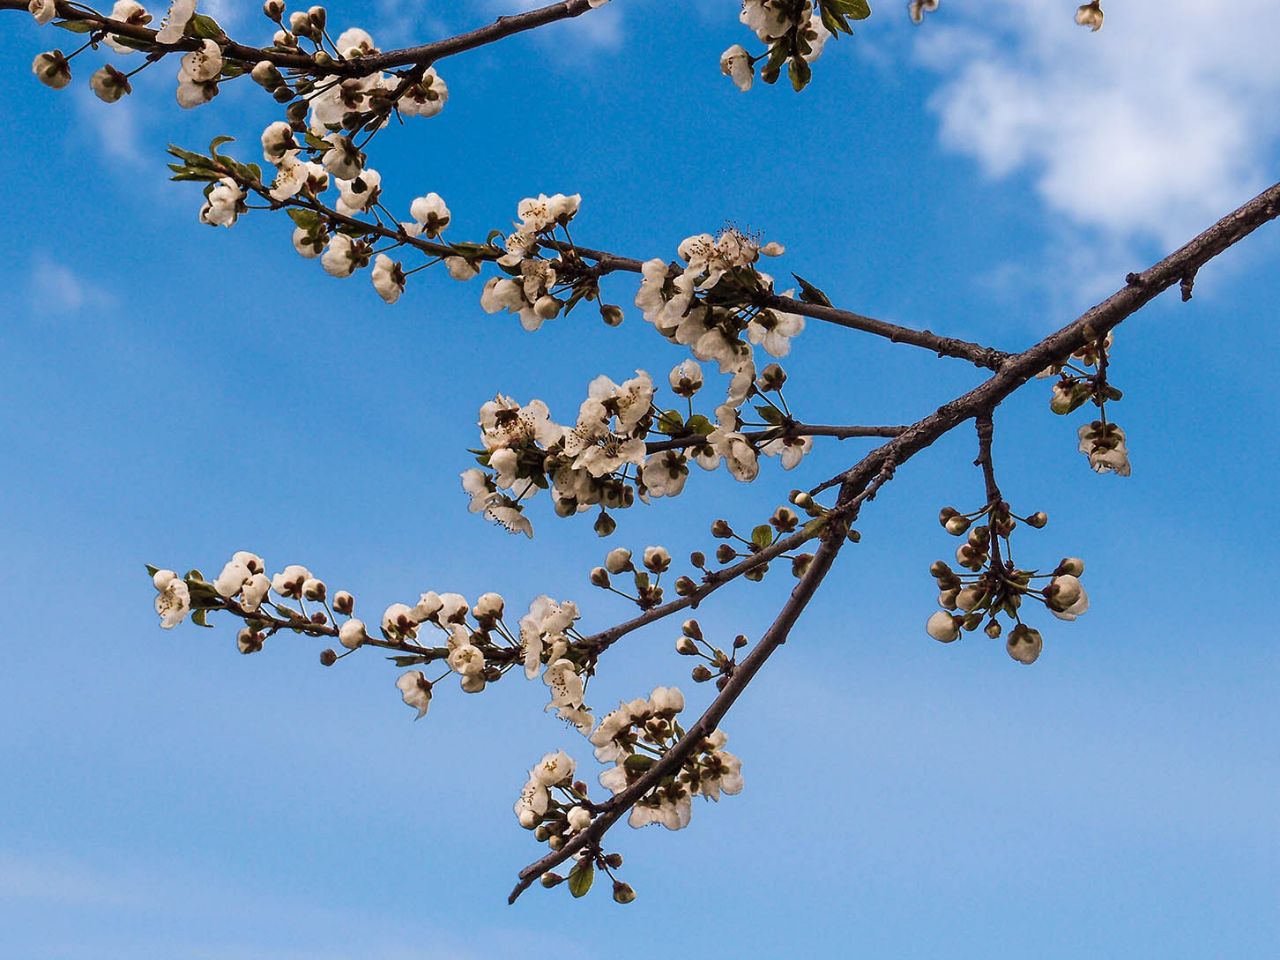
[
  {"x": 800, "y": 73},
  {"x": 671, "y": 423},
  {"x": 700, "y": 425},
  {"x": 409, "y": 661},
  {"x": 152, "y": 571},
  {"x": 581, "y": 877},
  {"x": 216, "y": 142},
  {"x": 769, "y": 414},
  {"x": 198, "y": 618},
  {"x": 206, "y": 28},
  {"x": 76, "y": 26},
  {"x": 638, "y": 762},
  {"x": 306, "y": 219},
  {"x": 194, "y": 574},
  {"x": 811, "y": 294},
  {"x": 131, "y": 42},
  {"x": 762, "y": 535}
]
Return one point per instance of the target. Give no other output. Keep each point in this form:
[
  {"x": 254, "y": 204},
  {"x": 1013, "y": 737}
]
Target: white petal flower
[
  {"x": 43, "y": 10},
  {"x": 388, "y": 278},
  {"x": 431, "y": 213},
  {"x": 175, "y": 21},
  {"x": 174, "y": 600},
  {"x": 735, "y": 63},
  {"x": 415, "y": 690},
  {"x": 553, "y": 768},
  {"x": 204, "y": 62},
  {"x": 942, "y": 626}
]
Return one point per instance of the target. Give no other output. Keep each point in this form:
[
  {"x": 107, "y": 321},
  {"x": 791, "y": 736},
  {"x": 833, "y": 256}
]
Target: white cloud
[
  {"x": 1148, "y": 129},
  {"x": 57, "y": 289},
  {"x": 113, "y": 127}
]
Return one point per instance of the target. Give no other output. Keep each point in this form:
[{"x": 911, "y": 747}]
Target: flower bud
[
  {"x": 1038, "y": 519},
  {"x": 800, "y": 564},
  {"x": 700, "y": 674},
  {"x": 614, "y": 860},
  {"x": 739, "y": 642},
  {"x": 611, "y": 314},
  {"x": 1024, "y": 644},
  {"x": 993, "y": 629},
  {"x": 685, "y": 586},
  {"x": 801, "y": 499},
  {"x": 599, "y": 577},
  {"x": 313, "y": 589},
  {"x": 344, "y": 603},
  {"x": 328, "y": 658},
  {"x": 725, "y": 553},
  {"x": 686, "y": 647},
  {"x": 550, "y": 880},
  {"x": 657, "y": 559},
  {"x": 604, "y": 524},
  {"x": 943, "y": 627},
  {"x": 721, "y": 529},
  {"x": 1072, "y": 566},
  {"x": 273, "y": 10},
  {"x": 1090, "y": 15},
  {"x": 940, "y": 570},
  {"x": 618, "y": 560},
  {"x": 352, "y": 634},
  {"x": 249, "y": 640},
  {"x": 622, "y": 892},
  {"x": 957, "y": 525},
  {"x": 969, "y": 598},
  {"x": 692, "y": 628}
]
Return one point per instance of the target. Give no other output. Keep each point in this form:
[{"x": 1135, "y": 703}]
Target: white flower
[
  {"x": 765, "y": 19},
  {"x": 131, "y": 12},
  {"x": 668, "y": 700},
  {"x": 291, "y": 176},
  {"x": 664, "y": 474},
  {"x": 565, "y": 684},
  {"x": 233, "y": 577},
  {"x": 174, "y": 600},
  {"x": 657, "y": 559},
  {"x": 553, "y": 768},
  {"x": 1090, "y": 15},
  {"x": 398, "y": 619},
  {"x": 203, "y": 63},
  {"x": 579, "y": 819},
  {"x": 1024, "y": 644},
  {"x": 466, "y": 660},
  {"x": 52, "y": 69},
  {"x": 531, "y": 804},
  {"x": 109, "y": 84},
  {"x": 942, "y": 626},
  {"x": 43, "y": 10},
  {"x": 388, "y": 278},
  {"x": 223, "y": 205},
  {"x": 194, "y": 93},
  {"x": 685, "y": 378},
  {"x": 545, "y": 622},
  {"x": 254, "y": 592},
  {"x": 355, "y": 42},
  {"x": 277, "y": 142},
  {"x": 288, "y": 582},
  {"x": 415, "y": 690},
  {"x": 342, "y": 159},
  {"x": 340, "y": 257},
  {"x": 735, "y": 63},
  {"x": 618, "y": 560},
  {"x": 431, "y": 214},
  {"x": 1066, "y": 597},
  {"x": 425, "y": 98},
  {"x": 460, "y": 268},
  {"x": 175, "y": 21},
  {"x": 543, "y": 212},
  {"x": 357, "y": 195},
  {"x": 308, "y": 243},
  {"x": 352, "y": 634},
  {"x": 791, "y": 449},
  {"x": 489, "y": 607},
  {"x": 774, "y": 329}
]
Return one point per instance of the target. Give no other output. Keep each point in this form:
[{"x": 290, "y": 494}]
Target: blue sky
[{"x": 175, "y": 393}]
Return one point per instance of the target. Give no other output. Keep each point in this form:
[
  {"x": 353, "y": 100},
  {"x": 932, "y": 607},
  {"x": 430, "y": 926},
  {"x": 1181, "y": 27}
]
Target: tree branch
[
  {"x": 613, "y": 809},
  {"x": 419, "y": 56},
  {"x": 795, "y": 430}
]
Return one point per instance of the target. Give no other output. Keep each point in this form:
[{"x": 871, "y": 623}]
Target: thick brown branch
[{"x": 419, "y": 56}]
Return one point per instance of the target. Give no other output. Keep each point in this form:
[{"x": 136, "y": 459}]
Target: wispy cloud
[
  {"x": 55, "y": 288},
  {"x": 1146, "y": 129}
]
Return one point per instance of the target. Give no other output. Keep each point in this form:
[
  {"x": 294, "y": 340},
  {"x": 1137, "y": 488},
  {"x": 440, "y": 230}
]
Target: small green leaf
[
  {"x": 206, "y": 28},
  {"x": 769, "y": 414},
  {"x": 76, "y": 26},
  {"x": 800, "y": 73},
  {"x": 198, "y": 618},
  {"x": 811, "y": 294},
  {"x": 700, "y": 425},
  {"x": 638, "y": 762},
  {"x": 216, "y": 142},
  {"x": 581, "y": 877},
  {"x": 762, "y": 535},
  {"x": 152, "y": 571},
  {"x": 671, "y": 423},
  {"x": 408, "y": 661}
]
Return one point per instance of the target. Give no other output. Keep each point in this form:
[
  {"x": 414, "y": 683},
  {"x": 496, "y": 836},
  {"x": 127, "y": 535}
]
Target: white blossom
[
  {"x": 43, "y": 10},
  {"x": 353, "y": 633},
  {"x": 415, "y": 690},
  {"x": 223, "y": 205},
  {"x": 203, "y": 63},
  {"x": 388, "y": 278},
  {"x": 735, "y": 63},
  {"x": 174, "y": 600},
  {"x": 175, "y": 21}
]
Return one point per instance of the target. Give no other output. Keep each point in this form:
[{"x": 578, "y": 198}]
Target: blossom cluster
[
  {"x": 994, "y": 586},
  {"x": 1101, "y": 441},
  {"x": 602, "y": 459},
  {"x": 794, "y": 32}
]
